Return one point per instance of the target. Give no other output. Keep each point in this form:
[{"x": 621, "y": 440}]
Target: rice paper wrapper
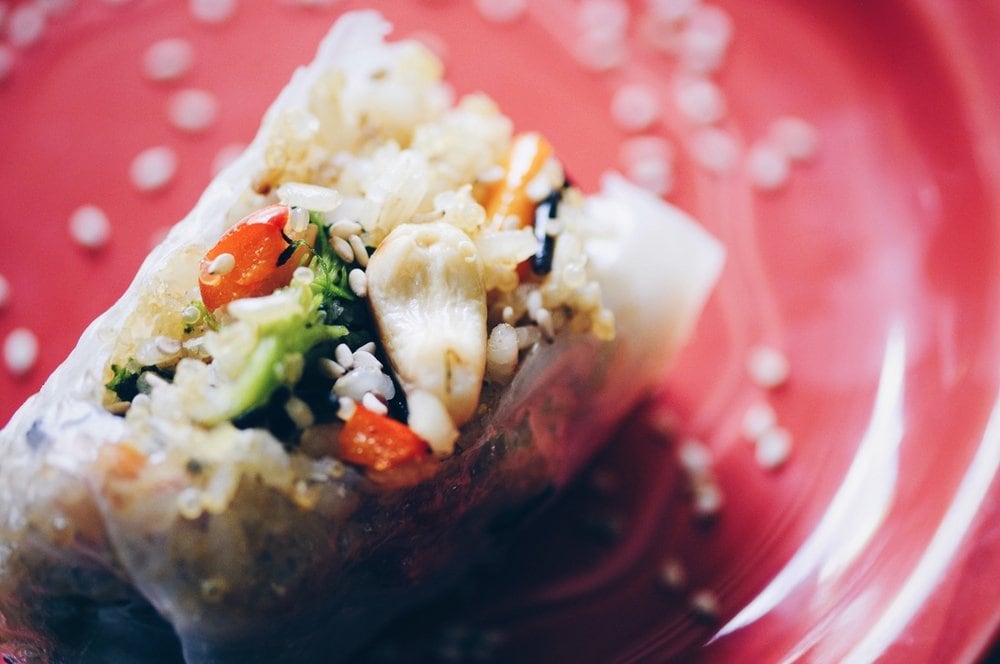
[{"x": 314, "y": 564}]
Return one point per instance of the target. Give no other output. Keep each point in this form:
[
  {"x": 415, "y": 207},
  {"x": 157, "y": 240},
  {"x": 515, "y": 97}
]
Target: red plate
[{"x": 875, "y": 270}]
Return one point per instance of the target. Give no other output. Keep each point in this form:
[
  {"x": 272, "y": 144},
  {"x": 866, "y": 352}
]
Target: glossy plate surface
[{"x": 875, "y": 270}]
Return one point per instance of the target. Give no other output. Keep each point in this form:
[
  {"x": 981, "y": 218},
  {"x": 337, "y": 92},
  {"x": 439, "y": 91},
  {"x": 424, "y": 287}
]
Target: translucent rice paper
[{"x": 316, "y": 578}]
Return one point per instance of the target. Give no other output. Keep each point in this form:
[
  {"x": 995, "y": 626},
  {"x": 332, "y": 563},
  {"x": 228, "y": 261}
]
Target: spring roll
[{"x": 383, "y": 335}]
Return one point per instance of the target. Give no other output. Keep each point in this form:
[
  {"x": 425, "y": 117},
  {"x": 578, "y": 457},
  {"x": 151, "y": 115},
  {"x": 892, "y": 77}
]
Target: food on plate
[{"x": 390, "y": 328}]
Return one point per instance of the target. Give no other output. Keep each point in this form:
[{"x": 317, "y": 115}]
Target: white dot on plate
[
  {"x": 153, "y": 168},
  {"x": 20, "y": 351},
  {"x": 705, "y": 39},
  {"x": 773, "y": 448},
  {"x": 767, "y": 166},
  {"x": 600, "y": 51},
  {"x": 699, "y": 100},
  {"x": 226, "y": 155},
  {"x": 757, "y": 419},
  {"x": 89, "y": 226},
  {"x": 705, "y": 603},
  {"x": 672, "y": 574},
  {"x": 501, "y": 11},
  {"x": 603, "y": 16},
  {"x": 714, "y": 149},
  {"x": 767, "y": 366},
  {"x": 192, "y": 110},
  {"x": 694, "y": 457},
  {"x": 4, "y": 291},
  {"x": 212, "y": 11},
  {"x": 707, "y": 499},
  {"x": 168, "y": 59},
  {"x": 794, "y": 136},
  {"x": 25, "y": 25},
  {"x": 652, "y": 174},
  {"x": 635, "y": 106}
]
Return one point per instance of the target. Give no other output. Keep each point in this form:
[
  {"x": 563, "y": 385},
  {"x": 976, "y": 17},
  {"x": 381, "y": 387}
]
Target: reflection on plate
[{"x": 873, "y": 270}]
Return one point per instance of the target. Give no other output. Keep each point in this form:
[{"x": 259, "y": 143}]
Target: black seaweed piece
[
  {"x": 548, "y": 208},
  {"x": 125, "y": 383}
]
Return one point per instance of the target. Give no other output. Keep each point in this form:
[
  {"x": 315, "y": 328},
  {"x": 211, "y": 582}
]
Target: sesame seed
[
  {"x": 652, "y": 174},
  {"x": 508, "y": 315},
  {"x": 212, "y": 11},
  {"x": 673, "y": 576},
  {"x": 345, "y": 228},
  {"x": 358, "y": 281},
  {"x": 773, "y": 448},
  {"x": 168, "y": 59},
  {"x": 757, "y": 419},
  {"x": 344, "y": 356},
  {"x": 25, "y": 25},
  {"x": 299, "y": 412},
  {"x": 193, "y": 111},
  {"x": 767, "y": 366},
  {"x": 374, "y": 404},
  {"x": 343, "y": 249},
  {"x": 534, "y": 302},
  {"x": 714, "y": 149},
  {"x": 226, "y": 155},
  {"x": 795, "y": 137},
  {"x": 330, "y": 368},
  {"x": 705, "y": 38},
  {"x": 694, "y": 456},
  {"x": 599, "y": 50},
  {"x": 358, "y": 247},
  {"x": 153, "y": 168},
  {"x": 20, "y": 351},
  {"x": 190, "y": 315},
  {"x": 298, "y": 219},
  {"x": 303, "y": 275},
  {"x": 222, "y": 264},
  {"x": 501, "y": 11},
  {"x": 699, "y": 100},
  {"x": 544, "y": 318},
  {"x": 705, "y": 603},
  {"x": 767, "y": 166},
  {"x": 89, "y": 226},
  {"x": 4, "y": 291},
  {"x": 707, "y": 499},
  {"x": 635, "y": 106},
  {"x": 607, "y": 16},
  {"x": 346, "y": 407},
  {"x": 363, "y": 358},
  {"x": 648, "y": 162}
]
